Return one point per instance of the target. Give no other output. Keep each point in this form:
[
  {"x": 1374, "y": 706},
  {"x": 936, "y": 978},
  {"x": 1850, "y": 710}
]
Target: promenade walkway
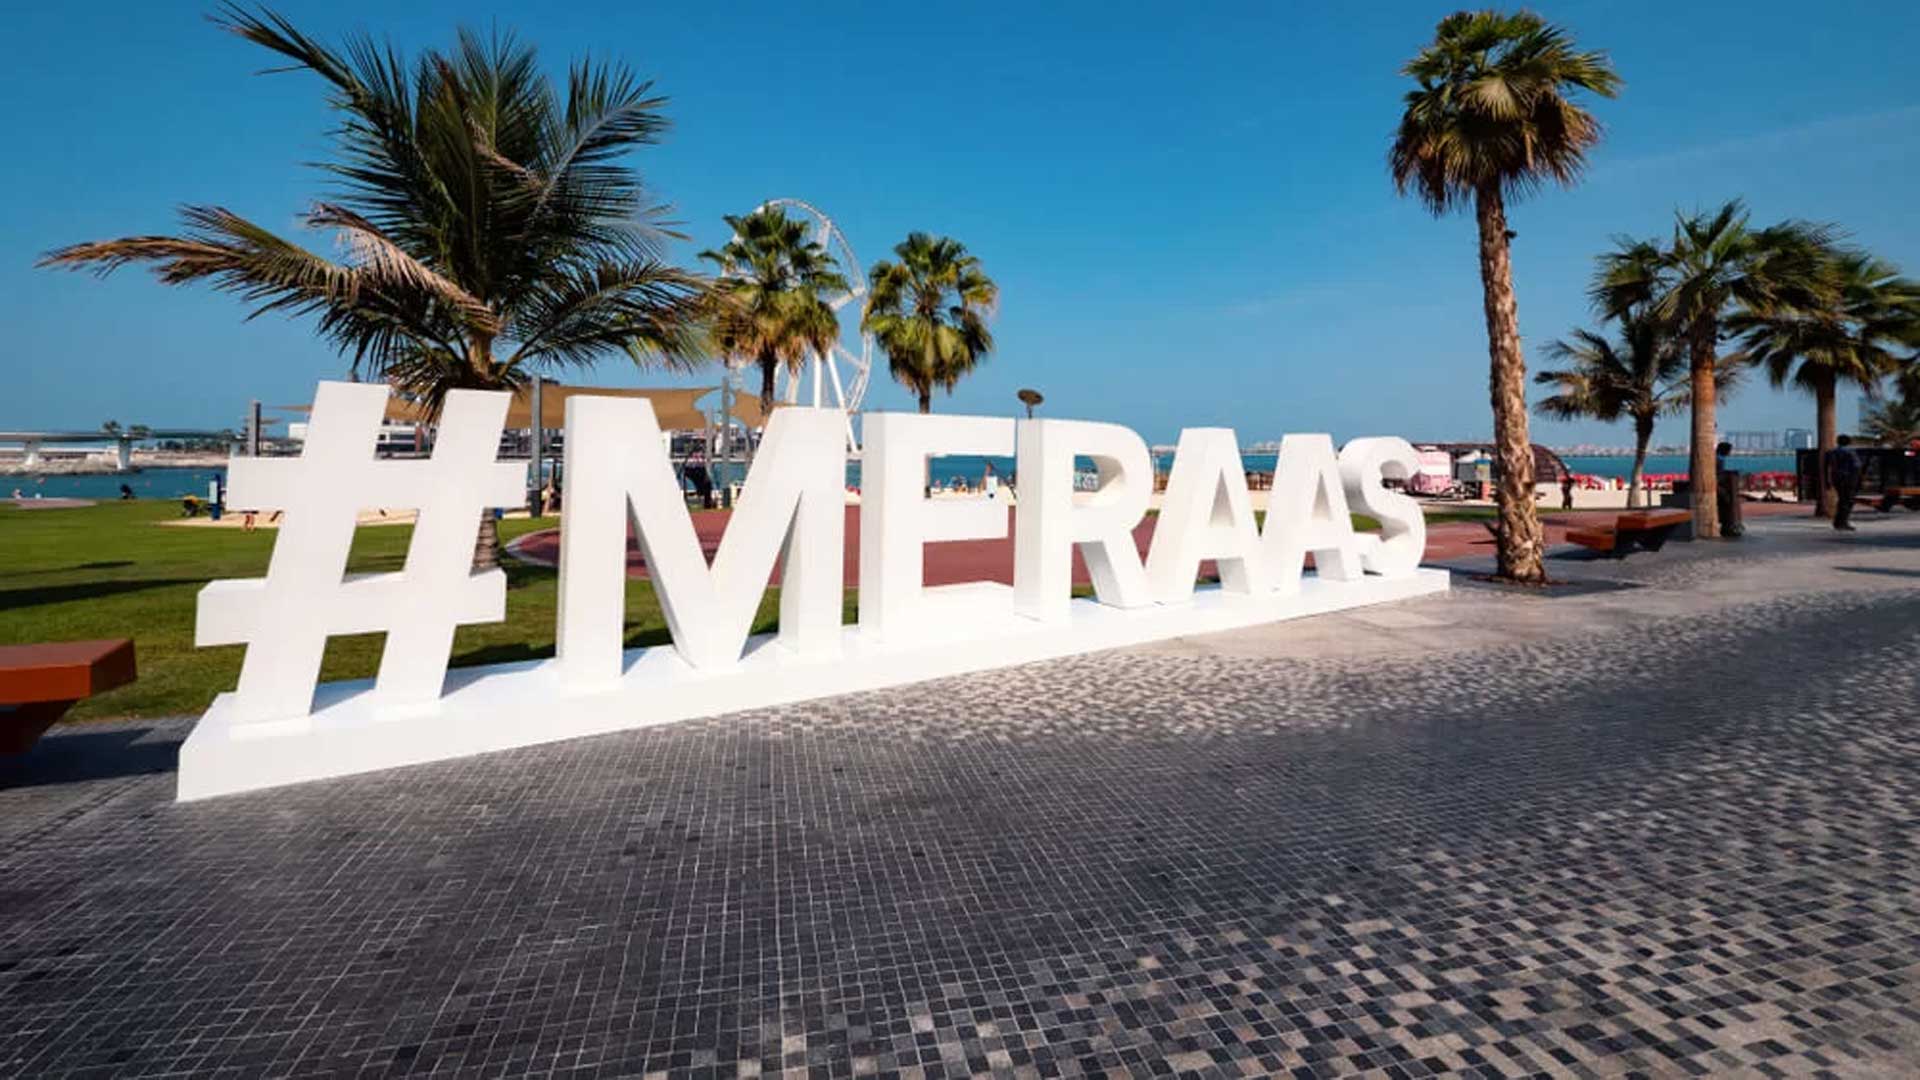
[{"x": 1660, "y": 822}]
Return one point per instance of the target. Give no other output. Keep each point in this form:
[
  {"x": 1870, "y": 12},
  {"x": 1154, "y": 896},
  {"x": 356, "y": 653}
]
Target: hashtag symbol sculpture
[{"x": 285, "y": 618}]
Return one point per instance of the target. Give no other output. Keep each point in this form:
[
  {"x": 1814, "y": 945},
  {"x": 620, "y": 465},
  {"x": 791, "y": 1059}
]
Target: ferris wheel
[{"x": 840, "y": 378}]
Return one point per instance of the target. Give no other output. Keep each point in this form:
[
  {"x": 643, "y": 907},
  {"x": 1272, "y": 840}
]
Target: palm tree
[
  {"x": 1713, "y": 267},
  {"x": 1855, "y": 335},
  {"x": 1894, "y": 421},
  {"x": 1642, "y": 376},
  {"x": 929, "y": 312},
  {"x": 491, "y": 226},
  {"x": 1493, "y": 119},
  {"x": 769, "y": 305}
]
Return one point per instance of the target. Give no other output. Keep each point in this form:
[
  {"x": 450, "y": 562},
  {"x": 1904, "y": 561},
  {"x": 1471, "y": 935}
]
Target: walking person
[
  {"x": 1566, "y": 491},
  {"x": 1843, "y": 472},
  {"x": 701, "y": 479}
]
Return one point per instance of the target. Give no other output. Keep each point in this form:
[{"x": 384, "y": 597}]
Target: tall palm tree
[
  {"x": 1642, "y": 377},
  {"x": 1713, "y": 267},
  {"x": 929, "y": 311},
  {"x": 1866, "y": 324},
  {"x": 1492, "y": 119},
  {"x": 769, "y": 304},
  {"x": 491, "y": 225}
]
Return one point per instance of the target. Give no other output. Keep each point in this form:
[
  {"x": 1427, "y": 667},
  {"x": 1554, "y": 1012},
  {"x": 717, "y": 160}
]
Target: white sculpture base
[{"x": 511, "y": 705}]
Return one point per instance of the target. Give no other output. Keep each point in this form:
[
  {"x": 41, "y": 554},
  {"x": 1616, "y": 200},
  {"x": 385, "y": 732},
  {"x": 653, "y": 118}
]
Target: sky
[{"x": 1186, "y": 207}]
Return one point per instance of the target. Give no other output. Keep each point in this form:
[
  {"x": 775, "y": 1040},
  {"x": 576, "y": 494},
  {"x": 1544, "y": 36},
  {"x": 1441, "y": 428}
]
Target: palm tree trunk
[
  {"x": 768, "y": 363},
  {"x": 1519, "y": 539},
  {"x": 1706, "y": 509},
  {"x": 1826, "y": 424},
  {"x": 1637, "y": 483},
  {"x": 926, "y": 407},
  {"x": 486, "y": 541}
]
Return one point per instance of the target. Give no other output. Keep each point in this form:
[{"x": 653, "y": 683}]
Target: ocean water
[
  {"x": 1622, "y": 466},
  {"x": 166, "y": 483}
]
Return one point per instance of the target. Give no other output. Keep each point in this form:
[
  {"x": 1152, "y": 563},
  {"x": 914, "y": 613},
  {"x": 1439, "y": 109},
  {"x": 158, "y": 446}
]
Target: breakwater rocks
[{"x": 104, "y": 464}]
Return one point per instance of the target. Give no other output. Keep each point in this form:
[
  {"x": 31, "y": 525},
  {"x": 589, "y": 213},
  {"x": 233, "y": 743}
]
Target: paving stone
[{"x": 1675, "y": 846}]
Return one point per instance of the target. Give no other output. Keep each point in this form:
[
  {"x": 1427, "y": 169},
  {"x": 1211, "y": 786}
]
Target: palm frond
[
  {"x": 929, "y": 311},
  {"x": 647, "y": 308},
  {"x": 384, "y": 262},
  {"x": 1842, "y": 317},
  {"x": 1637, "y": 375},
  {"x": 483, "y": 216},
  {"x": 231, "y": 253},
  {"x": 1493, "y": 109},
  {"x": 774, "y": 281}
]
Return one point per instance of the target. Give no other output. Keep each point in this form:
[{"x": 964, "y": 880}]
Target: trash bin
[{"x": 1732, "y": 521}]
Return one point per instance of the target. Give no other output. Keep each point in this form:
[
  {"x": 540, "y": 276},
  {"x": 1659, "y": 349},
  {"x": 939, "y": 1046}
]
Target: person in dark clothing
[
  {"x": 1566, "y": 491},
  {"x": 701, "y": 479},
  {"x": 1843, "y": 471},
  {"x": 1724, "y": 493}
]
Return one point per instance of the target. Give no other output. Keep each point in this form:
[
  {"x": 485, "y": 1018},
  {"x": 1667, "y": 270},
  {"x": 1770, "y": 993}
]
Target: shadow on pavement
[
  {"x": 1882, "y": 571},
  {"x": 61, "y": 758},
  {"x": 1866, "y": 538}
]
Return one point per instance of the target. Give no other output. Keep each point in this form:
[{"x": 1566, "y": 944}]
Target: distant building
[
  {"x": 1756, "y": 442},
  {"x": 1796, "y": 438},
  {"x": 394, "y": 438}
]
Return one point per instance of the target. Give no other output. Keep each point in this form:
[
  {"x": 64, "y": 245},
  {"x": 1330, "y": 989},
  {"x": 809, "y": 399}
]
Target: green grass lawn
[
  {"x": 1460, "y": 513},
  {"x": 113, "y": 570}
]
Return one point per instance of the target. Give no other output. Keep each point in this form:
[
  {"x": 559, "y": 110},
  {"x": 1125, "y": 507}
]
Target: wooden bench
[
  {"x": 39, "y": 683},
  {"x": 1646, "y": 529},
  {"x": 1908, "y": 497}
]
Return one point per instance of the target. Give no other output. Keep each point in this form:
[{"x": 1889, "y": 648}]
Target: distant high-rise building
[
  {"x": 1755, "y": 442},
  {"x": 1797, "y": 438}
]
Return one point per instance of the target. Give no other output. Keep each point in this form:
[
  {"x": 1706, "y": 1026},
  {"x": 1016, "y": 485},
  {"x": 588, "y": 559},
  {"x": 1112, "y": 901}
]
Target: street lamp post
[{"x": 536, "y": 436}]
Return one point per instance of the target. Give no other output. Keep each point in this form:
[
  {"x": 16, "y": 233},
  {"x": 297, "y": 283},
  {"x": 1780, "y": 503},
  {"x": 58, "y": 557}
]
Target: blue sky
[{"x": 1186, "y": 207}]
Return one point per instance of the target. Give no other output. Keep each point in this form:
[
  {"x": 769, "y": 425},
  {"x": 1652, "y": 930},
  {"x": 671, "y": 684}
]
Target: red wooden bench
[
  {"x": 39, "y": 683},
  {"x": 1647, "y": 529},
  {"x": 1908, "y": 497}
]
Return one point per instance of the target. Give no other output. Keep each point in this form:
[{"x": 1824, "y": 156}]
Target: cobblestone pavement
[{"x": 1665, "y": 824}]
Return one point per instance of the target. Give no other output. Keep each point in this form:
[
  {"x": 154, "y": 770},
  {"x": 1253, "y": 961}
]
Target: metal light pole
[
  {"x": 537, "y": 436},
  {"x": 1030, "y": 398},
  {"x": 718, "y": 468}
]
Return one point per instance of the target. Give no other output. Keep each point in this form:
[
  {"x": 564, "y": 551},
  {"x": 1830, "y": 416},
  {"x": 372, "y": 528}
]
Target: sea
[
  {"x": 172, "y": 483},
  {"x": 161, "y": 483},
  {"x": 1622, "y": 465}
]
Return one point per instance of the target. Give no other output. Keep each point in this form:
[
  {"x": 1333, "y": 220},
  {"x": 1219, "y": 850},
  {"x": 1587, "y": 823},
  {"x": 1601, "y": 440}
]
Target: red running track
[{"x": 952, "y": 562}]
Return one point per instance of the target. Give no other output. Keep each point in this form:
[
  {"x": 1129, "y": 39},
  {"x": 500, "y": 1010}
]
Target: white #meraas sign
[{"x": 280, "y": 726}]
